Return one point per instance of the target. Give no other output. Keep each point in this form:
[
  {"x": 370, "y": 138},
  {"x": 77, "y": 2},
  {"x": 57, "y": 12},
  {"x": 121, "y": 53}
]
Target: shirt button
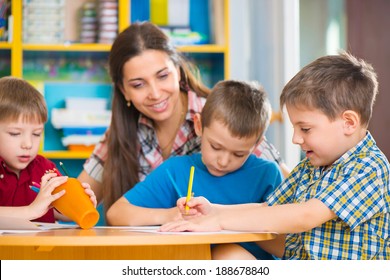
[{"x": 1, "y": 176}]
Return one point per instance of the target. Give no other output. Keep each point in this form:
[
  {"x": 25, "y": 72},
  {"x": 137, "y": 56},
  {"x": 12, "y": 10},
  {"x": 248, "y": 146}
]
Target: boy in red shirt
[{"x": 23, "y": 113}]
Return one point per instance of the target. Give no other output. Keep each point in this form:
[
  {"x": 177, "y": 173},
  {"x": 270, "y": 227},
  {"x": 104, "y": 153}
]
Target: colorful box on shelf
[
  {"x": 86, "y": 140},
  {"x": 80, "y": 142},
  {"x": 84, "y": 130},
  {"x": 81, "y": 148}
]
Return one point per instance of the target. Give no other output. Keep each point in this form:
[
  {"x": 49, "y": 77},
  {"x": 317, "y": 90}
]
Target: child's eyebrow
[
  {"x": 20, "y": 126},
  {"x": 302, "y": 123},
  {"x": 213, "y": 142}
]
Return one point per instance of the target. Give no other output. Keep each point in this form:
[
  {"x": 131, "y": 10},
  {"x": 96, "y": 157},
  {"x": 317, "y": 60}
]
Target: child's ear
[
  {"x": 351, "y": 121},
  {"x": 198, "y": 124}
]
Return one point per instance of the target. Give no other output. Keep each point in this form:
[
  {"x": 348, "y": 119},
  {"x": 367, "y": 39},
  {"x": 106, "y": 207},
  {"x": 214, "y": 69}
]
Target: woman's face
[{"x": 151, "y": 83}]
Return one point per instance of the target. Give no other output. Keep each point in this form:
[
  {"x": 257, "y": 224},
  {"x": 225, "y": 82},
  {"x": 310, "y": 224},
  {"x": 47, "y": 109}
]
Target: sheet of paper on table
[
  {"x": 155, "y": 229},
  {"x": 17, "y": 225}
]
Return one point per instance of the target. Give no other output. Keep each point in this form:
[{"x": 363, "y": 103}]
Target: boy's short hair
[
  {"x": 334, "y": 84},
  {"x": 20, "y": 99},
  {"x": 242, "y": 106}
]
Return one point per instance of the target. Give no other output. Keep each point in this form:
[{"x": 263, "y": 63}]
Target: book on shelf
[
  {"x": 187, "y": 22},
  {"x": 217, "y": 22}
]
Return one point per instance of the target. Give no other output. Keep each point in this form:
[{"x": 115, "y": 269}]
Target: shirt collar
[
  {"x": 363, "y": 146},
  {"x": 3, "y": 166}
]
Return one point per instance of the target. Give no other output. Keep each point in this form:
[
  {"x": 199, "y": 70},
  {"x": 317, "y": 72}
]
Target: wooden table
[{"x": 116, "y": 244}]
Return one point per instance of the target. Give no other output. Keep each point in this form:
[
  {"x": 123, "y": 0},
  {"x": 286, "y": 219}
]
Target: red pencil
[
  {"x": 57, "y": 172},
  {"x": 36, "y": 184}
]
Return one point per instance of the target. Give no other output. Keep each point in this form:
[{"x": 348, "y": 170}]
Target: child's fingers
[
  {"x": 92, "y": 196},
  {"x": 90, "y": 193},
  {"x": 57, "y": 195},
  {"x": 86, "y": 185},
  {"x": 175, "y": 226},
  {"x": 196, "y": 202},
  {"x": 47, "y": 177},
  {"x": 53, "y": 183},
  {"x": 192, "y": 213},
  {"x": 181, "y": 202}
]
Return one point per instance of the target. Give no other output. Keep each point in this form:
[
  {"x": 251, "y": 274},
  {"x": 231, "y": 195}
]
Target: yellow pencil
[{"x": 189, "y": 191}]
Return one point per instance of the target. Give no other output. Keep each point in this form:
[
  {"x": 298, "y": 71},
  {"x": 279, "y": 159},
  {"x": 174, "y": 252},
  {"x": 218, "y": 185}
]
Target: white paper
[{"x": 17, "y": 225}]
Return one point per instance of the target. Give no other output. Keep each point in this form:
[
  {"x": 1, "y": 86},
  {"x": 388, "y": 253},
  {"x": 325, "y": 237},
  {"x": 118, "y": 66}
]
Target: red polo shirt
[{"x": 15, "y": 191}]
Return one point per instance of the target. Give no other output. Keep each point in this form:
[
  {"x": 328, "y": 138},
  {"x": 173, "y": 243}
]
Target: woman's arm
[{"x": 123, "y": 213}]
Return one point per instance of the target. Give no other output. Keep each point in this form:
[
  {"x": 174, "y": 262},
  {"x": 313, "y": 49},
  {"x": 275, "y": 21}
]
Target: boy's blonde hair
[
  {"x": 20, "y": 99},
  {"x": 334, "y": 84},
  {"x": 242, "y": 106}
]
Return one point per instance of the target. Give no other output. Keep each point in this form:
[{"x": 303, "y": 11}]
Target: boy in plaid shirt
[{"x": 336, "y": 202}]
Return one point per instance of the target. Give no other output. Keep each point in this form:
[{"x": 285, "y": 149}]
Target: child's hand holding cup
[{"x": 76, "y": 204}]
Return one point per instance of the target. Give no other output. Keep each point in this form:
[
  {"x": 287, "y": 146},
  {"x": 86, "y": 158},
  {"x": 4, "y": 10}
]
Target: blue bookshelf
[{"x": 55, "y": 94}]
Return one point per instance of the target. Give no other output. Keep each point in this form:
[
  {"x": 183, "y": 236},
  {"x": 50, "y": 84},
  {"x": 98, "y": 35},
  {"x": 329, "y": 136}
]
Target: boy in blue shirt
[
  {"x": 336, "y": 202},
  {"x": 232, "y": 123}
]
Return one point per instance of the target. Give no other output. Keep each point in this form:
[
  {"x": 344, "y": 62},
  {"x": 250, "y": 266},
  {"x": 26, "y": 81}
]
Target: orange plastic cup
[{"x": 76, "y": 204}]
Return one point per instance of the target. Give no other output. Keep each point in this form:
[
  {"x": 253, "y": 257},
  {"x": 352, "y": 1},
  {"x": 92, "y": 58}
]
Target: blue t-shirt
[{"x": 251, "y": 183}]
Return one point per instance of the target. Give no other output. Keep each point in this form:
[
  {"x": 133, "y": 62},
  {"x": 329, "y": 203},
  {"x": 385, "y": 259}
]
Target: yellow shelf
[
  {"x": 203, "y": 49},
  {"x": 65, "y": 154},
  {"x": 107, "y": 47},
  {"x": 67, "y": 47},
  {"x": 5, "y": 46}
]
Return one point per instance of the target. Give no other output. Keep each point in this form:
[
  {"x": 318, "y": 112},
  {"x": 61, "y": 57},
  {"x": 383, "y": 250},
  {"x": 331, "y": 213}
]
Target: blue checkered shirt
[{"x": 356, "y": 188}]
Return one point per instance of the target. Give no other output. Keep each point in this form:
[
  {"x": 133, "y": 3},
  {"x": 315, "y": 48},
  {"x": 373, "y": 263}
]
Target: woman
[{"x": 156, "y": 94}]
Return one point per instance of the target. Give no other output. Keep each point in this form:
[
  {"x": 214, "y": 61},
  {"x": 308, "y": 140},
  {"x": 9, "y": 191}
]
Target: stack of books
[
  {"x": 108, "y": 21},
  {"x": 43, "y": 21},
  {"x": 88, "y": 23}
]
